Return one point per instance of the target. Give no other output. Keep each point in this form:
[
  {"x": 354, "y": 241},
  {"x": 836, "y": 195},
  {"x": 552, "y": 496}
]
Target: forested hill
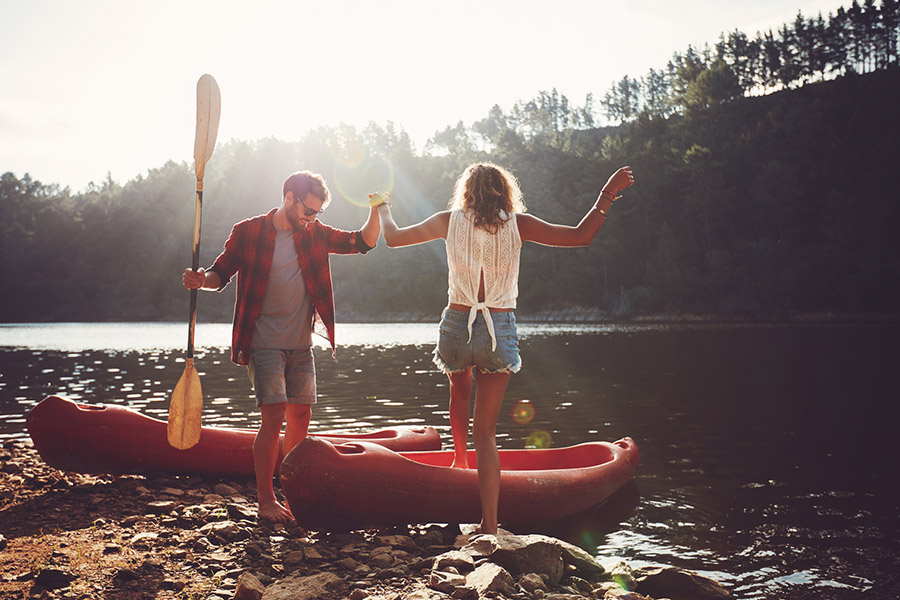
[{"x": 757, "y": 206}]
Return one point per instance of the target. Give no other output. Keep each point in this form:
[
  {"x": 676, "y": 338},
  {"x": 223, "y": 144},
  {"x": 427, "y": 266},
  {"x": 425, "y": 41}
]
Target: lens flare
[
  {"x": 347, "y": 148},
  {"x": 523, "y": 412},
  {"x": 354, "y": 184},
  {"x": 538, "y": 439},
  {"x": 587, "y": 539},
  {"x": 357, "y": 172}
]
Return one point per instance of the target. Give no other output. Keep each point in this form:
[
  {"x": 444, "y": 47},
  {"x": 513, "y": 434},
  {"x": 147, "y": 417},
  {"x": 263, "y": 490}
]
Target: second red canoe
[{"x": 359, "y": 484}]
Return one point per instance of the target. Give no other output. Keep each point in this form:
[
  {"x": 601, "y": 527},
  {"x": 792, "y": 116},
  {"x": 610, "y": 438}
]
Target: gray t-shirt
[{"x": 284, "y": 321}]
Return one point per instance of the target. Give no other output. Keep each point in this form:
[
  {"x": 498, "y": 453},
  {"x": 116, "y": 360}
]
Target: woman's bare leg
[
  {"x": 489, "y": 391},
  {"x": 460, "y": 398}
]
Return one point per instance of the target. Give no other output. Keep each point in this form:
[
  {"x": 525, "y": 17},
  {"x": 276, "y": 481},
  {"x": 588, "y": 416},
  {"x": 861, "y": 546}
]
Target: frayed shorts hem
[{"x": 446, "y": 369}]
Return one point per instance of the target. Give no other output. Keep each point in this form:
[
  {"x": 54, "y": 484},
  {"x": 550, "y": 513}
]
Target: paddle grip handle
[{"x": 195, "y": 264}]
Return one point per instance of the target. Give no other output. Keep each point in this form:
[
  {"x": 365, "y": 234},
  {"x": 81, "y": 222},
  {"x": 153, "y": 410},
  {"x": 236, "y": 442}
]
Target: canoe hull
[
  {"x": 103, "y": 438},
  {"x": 358, "y": 485}
]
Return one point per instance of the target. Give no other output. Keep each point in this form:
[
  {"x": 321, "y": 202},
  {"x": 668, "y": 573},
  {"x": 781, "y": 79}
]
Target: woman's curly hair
[{"x": 491, "y": 192}]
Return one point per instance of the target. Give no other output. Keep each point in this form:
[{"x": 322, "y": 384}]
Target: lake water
[{"x": 767, "y": 452}]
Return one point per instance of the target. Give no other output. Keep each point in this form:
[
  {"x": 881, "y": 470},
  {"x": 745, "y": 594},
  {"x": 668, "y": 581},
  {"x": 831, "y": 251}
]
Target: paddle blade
[
  {"x": 185, "y": 409},
  {"x": 209, "y": 107}
]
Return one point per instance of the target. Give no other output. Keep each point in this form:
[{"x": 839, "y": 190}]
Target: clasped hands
[{"x": 378, "y": 198}]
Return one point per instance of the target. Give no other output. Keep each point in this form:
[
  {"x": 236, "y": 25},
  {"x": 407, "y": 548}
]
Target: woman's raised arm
[{"x": 533, "y": 229}]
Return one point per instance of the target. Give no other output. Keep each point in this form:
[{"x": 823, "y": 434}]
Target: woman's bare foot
[
  {"x": 481, "y": 529},
  {"x": 460, "y": 464},
  {"x": 275, "y": 512}
]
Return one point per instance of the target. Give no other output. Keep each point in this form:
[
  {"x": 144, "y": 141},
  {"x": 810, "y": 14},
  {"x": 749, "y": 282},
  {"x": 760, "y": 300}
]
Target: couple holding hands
[{"x": 284, "y": 291}]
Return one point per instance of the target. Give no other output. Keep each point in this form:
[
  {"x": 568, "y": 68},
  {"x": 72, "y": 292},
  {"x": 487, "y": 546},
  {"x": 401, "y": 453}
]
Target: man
[{"x": 283, "y": 290}]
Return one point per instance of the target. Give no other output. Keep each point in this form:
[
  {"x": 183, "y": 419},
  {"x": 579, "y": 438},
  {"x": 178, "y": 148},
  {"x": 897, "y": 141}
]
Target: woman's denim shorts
[{"x": 455, "y": 352}]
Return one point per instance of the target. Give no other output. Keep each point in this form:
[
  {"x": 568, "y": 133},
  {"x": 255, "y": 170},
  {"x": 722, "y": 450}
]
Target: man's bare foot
[{"x": 275, "y": 512}]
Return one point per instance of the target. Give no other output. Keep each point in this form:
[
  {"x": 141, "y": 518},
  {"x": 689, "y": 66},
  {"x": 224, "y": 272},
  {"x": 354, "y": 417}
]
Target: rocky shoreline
[{"x": 133, "y": 537}]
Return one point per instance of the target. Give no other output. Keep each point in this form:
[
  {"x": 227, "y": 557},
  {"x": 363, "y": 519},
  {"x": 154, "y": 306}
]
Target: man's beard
[{"x": 296, "y": 223}]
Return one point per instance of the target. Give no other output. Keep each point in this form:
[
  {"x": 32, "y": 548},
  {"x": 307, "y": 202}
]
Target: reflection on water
[
  {"x": 766, "y": 453},
  {"x": 78, "y": 337}
]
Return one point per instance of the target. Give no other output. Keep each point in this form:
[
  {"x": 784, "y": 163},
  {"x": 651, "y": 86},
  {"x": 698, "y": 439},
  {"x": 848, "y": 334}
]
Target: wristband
[{"x": 612, "y": 197}]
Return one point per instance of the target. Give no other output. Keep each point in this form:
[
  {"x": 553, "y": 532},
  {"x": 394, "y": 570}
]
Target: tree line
[
  {"x": 760, "y": 205},
  {"x": 860, "y": 39}
]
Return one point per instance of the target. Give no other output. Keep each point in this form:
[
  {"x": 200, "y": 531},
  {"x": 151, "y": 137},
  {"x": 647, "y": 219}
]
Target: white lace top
[{"x": 471, "y": 252}]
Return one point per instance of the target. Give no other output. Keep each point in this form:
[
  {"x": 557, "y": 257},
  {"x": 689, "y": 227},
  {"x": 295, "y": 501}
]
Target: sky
[{"x": 97, "y": 88}]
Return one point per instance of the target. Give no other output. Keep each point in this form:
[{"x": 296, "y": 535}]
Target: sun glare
[{"x": 358, "y": 172}]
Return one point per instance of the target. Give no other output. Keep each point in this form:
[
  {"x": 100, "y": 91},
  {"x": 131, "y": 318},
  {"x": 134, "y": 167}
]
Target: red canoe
[
  {"x": 359, "y": 485},
  {"x": 102, "y": 438}
]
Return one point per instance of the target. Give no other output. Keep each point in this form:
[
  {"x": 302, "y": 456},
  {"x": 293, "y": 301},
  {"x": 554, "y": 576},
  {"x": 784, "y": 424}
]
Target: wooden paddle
[{"x": 187, "y": 399}]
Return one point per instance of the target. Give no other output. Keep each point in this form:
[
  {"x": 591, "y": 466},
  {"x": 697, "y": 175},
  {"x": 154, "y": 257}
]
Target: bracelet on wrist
[{"x": 612, "y": 197}]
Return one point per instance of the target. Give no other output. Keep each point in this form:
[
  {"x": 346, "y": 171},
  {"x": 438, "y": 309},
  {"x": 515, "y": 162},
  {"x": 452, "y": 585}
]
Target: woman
[{"x": 484, "y": 230}]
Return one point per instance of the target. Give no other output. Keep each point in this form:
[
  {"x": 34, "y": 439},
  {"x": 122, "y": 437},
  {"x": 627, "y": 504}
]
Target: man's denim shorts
[
  {"x": 455, "y": 352},
  {"x": 280, "y": 376}
]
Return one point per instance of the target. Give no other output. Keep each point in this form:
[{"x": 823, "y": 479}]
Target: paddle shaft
[
  {"x": 192, "y": 319},
  {"x": 209, "y": 103},
  {"x": 183, "y": 426}
]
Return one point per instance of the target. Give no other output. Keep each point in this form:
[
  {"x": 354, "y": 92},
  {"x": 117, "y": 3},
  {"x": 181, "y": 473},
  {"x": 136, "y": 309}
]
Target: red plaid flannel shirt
[{"x": 248, "y": 253}]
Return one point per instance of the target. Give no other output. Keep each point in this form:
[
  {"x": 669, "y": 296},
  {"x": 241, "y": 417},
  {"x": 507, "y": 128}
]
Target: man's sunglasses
[{"x": 309, "y": 212}]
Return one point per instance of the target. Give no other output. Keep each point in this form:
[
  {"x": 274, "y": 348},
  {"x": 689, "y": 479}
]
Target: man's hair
[{"x": 302, "y": 183}]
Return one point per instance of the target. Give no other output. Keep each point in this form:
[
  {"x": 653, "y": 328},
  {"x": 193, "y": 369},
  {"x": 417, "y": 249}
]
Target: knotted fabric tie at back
[{"x": 473, "y": 312}]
